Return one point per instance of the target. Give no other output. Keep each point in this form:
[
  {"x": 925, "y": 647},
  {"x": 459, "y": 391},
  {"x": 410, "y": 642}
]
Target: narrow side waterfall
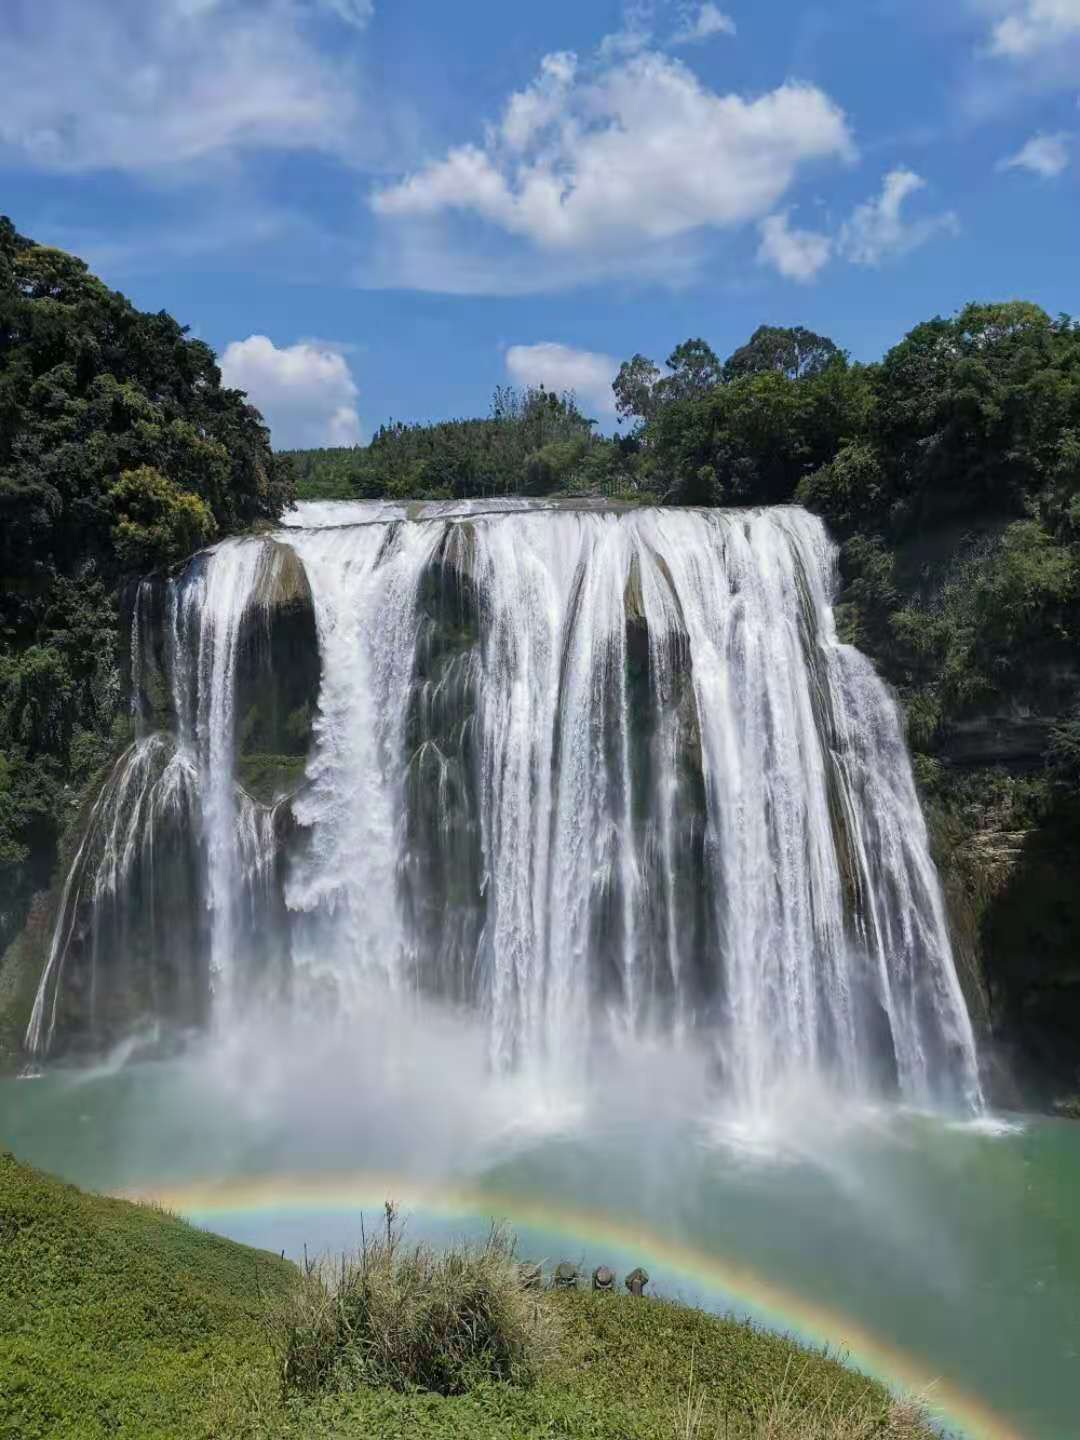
[{"x": 606, "y": 777}]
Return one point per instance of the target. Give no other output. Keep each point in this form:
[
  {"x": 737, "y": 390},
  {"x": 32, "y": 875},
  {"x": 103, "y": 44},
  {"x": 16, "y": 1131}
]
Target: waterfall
[
  {"x": 146, "y": 805},
  {"x": 604, "y": 775},
  {"x": 208, "y": 612}
]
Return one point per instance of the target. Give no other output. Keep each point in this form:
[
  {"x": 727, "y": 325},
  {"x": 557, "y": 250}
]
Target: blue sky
[{"x": 384, "y": 208}]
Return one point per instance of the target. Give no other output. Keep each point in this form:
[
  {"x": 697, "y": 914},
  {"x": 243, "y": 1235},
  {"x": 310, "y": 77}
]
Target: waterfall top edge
[{"x": 352, "y": 514}]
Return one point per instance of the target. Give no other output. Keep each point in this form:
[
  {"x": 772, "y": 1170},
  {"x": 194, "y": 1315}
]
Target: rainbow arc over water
[{"x": 730, "y": 1285}]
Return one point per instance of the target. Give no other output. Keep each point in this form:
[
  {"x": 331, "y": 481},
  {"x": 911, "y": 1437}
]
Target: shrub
[
  {"x": 849, "y": 492},
  {"x": 1023, "y": 593},
  {"x": 408, "y": 1317},
  {"x": 156, "y": 521}
]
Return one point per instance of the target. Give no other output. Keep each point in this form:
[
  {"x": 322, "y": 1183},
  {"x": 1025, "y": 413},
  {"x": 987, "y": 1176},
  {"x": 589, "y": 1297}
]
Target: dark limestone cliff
[
  {"x": 1014, "y": 905},
  {"x": 1006, "y": 833},
  {"x": 277, "y": 679}
]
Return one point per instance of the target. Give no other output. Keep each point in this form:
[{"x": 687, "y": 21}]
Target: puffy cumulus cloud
[
  {"x": 878, "y": 230},
  {"x": 561, "y": 367},
  {"x": 306, "y": 391},
  {"x": 606, "y": 161},
  {"x": 1027, "y": 28},
  {"x": 702, "y": 24},
  {"x": 126, "y": 85},
  {"x": 797, "y": 254},
  {"x": 1045, "y": 155}
]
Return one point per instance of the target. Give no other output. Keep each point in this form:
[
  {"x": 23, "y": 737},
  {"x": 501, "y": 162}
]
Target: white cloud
[
  {"x": 306, "y": 392},
  {"x": 634, "y": 34},
  {"x": 607, "y": 163},
  {"x": 878, "y": 231},
  {"x": 561, "y": 367},
  {"x": 708, "y": 21},
  {"x": 126, "y": 85},
  {"x": 350, "y": 12},
  {"x": 1045, "y": 155},
  {"x": 531, "y": 111},
  {"x": 1030, "y": 27},
  {"x": 436, "y": 257},
  {"x": 797, "y": 254}
]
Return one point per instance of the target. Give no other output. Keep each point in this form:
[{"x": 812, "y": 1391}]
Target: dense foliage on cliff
[{"x": 119, "y": 451}]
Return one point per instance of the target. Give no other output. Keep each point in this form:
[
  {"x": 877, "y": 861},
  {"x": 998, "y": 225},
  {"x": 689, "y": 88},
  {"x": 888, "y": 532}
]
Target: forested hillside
[
  {"x": 533, "y": 443},
  {"x": 119, "y": 451}
]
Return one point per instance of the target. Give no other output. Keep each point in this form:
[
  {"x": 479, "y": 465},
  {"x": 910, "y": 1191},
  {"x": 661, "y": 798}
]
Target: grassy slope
[
  {"x": 115, "y": 1318},
  {"x": 118, "y": 1320}
]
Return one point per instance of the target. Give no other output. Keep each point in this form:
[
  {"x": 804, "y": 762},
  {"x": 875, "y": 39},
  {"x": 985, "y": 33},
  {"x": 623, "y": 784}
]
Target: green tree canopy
[
  {"x": 794, "y": 352},
  {"x": 120, "y": 450}
]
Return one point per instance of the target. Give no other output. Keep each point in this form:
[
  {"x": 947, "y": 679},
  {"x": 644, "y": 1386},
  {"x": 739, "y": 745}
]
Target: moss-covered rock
[
  {"x": 271, "y": 778},
  {"x": 442, "y": 881},
  {"x": 22, "y": 964},
  {"x": 663, "y": 720},
  {"x": 277, "y": 662}
]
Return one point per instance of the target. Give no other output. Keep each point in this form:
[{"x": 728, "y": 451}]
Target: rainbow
[{"x": 743, "y": 1289}]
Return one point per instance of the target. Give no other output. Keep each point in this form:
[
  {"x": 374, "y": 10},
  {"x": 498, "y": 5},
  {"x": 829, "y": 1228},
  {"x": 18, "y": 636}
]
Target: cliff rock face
[
  {"x": 277, "y": 679},
  {"x": 1003, "y": 812},
  {"x": 20, "y": 966},
  {"x": 1031, "y": 955},
  {"x": 1014, "y": 907},
  {"x": 1018, "y": 740}
]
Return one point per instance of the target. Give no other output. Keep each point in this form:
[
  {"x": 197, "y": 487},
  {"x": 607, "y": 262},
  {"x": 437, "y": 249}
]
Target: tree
[
  {"x": 849, "y": 491},
  {"x": 694, "y": 371},
  {"x": 974, "y": 412},
  {"x": 157, "y": 522},
  {"x": 797, "y": 353},
  {"x": 635, "y": 389}
]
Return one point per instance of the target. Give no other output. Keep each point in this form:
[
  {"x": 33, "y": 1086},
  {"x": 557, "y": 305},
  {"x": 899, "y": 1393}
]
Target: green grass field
[{"x": 119, "y": 1320}]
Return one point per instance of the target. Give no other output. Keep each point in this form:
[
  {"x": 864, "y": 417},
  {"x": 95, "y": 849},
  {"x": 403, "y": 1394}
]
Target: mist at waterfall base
[{"x": 605, "y": 908}]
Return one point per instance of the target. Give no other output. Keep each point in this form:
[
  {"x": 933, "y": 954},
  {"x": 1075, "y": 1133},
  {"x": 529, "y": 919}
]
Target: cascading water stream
[
  {"x": 345, "y": 880},
  {"x": 151, "y": 794},
  {"x": 603, "y": 776}
]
